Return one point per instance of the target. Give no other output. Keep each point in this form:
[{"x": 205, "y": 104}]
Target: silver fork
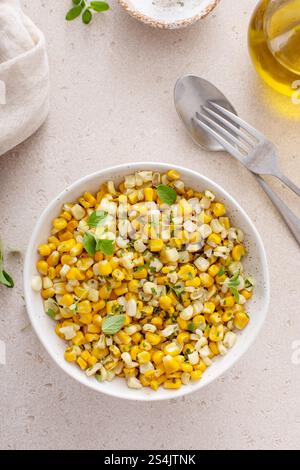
[
  {"x": 250, "y": 146},
  {"x": 251, "y": 150}
]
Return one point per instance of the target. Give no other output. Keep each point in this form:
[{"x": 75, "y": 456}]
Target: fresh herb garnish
[
  {"x": 235, "y": 293},
  {"x": 191, "y": 327},
  {"x": 233, "y": 284},
  {"x": 154, "y": 291},
  {"x": 221, "y": 272},
  {"x": 105, "y": 246},
  {"x": 112, "y": 324},
  {"x": 97, "y": 218},
  {"x": 5, "y": 278},
  {"x": 50, "y": 312},
  {"x": 166, "y": 194},
  {"x": 83, "y": 8},
  {"x": 89, "y": 243},
  {"x": 178, "y": 290}
]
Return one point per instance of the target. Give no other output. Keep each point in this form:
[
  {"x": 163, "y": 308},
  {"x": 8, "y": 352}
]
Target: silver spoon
[{"x": 191, "y": 94}]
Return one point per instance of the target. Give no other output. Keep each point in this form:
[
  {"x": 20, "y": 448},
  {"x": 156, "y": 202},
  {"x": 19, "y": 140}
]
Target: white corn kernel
[
  {"x": 187, "y": 313},
  {"x": 193, "y": 358},
  {"x": 78, "y": 212},
  {"x": 36, "y": 283},
  {"x": 133, "y": 382},
  {"x": 131, "y": 308},
  {"x": 229, "y": 339}
]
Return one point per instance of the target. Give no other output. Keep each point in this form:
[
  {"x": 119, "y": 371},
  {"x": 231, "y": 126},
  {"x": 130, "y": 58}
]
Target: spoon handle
[{"x": 291, "y": 220}]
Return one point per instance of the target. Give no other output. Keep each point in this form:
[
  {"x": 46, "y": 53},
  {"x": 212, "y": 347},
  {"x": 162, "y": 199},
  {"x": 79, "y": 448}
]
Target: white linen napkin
[{"x": 24, "y": 76}]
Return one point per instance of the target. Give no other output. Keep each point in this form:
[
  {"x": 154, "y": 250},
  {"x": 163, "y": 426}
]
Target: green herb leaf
[
  {"x": 191, "y": 327},
  {"x": 166, "y": 194},
  {"x": 235, "y": 293},
  {"x": 105, "y": 246},
  {"x": 87, "y": 16},
  {"x": 6, "y": 279},
  {"x": 221, "y": 272},
  {"x": 99, "y": 377},
  {"x": 97, "y": 218},
  {"x": 51, "y": 313},
  {"x": 74, "y": 12},
  {"x": 99, "y": 6},
  {"x": 112, "y": 324},
  {"x": 234, "y": 280},
  {"x": 89, "y": 243},
  {"x": 77, "y": 2}
]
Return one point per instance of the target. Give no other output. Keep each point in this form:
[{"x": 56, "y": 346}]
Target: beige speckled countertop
[{"x": 111, "y": 102}]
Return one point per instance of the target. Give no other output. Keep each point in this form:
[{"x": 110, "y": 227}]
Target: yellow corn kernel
[
  {"x": 85, "y": 355},
  {"x": 81, "y": 292},
  {"x": 136, "y": 337},
  {"x": 82, "y": 363},
  {"x": 200, "y": 366},
  {"x": 153, "y": 338},
  {"x": 91, "y": 336},
  {"x": 214, "y": 269},
  {"x": 90, "y": 198},
  {"x": 66, "y": 215},
  {"x": 118, "y": 274},
  {"x": 140, "y": 273},
  {"x": 74, "y": 274},
  {"x": 207, "y": 218},
  {"x": 209, "y": 307},
  {"x": 59, "y": 223},
  {"x": 92, "y": 360},
  {"x": 72, "y": 225},
  {"x": 165, "y": 302},
  {"x": 67, "y": 259},
  {"x": 143, "y": 357},
  {"x": 57, "y": 330},
  {"x": 187, "y": 272},
  {"x": 100, "y": 353},
  {"x": 53, "y": 259},
  {"x": 183, "y": 337},
  {"x": 214, "y": 348},
  {"x": 173, "y": 175},
  {"x": 214, "y": 239},
  {"x": 216, "y": 333},
  {"x": 53, "y": 240},
  {"x": 105, "y": 268},
  {"x": 84, "y": 307},
  {"x": 145, "y": 345},
  {"x": 172, "y": 349},
  {"x": 70, "y": 355},
  {"x": 227, "y": 315},
  {"x": 156, "y": 245},
  {"x": 97, "y": 320},
  {"x": 157, "y": 321},
  {"x": 148, "y": 193},
  {"x": 161, "y": 280},
  {"x": 237, "y": 252},
  {"x": 77, "y": 249},
  {"x": 219, "y": 209},
  {"x": 157, "y": 357},
  {"x": 93, "y": 328},
  {"x": 134, "y": 352},
  {"x": 85, "y": 318},
  {"x": 241, "y": 320},
  {"x": 228, "y": 301},
  {"x": 170, "y": 365},
  {"x": 47, "y": 293},
  {"x": 121, "y": 290},
  {"x": 183, "y": 324},
  {"x": 196, "y": 375},
  {"x": 122, "y": 338},
  {"x": 104, "y": 292},
  {"x": 145, "y": 381},
  {"x": 172, "y": 384},
  {"x": 247, "y": 294},
  {"x": 44, "y": 250},
  {"x": 89, "y": 274},
  {"x": 206, "y": 280},
  {"x": 198, "y": 321},
  {"x": 193, "y": 282},
  {"x": 67, "y": 300},
  {"x": 51, "y": 273},
  {"x": 78, "y": 338},
  {"x": 132, "y": 372},
  {"x": 66, "y": 246},
  {"x": 133, "y": 286},
  {"x": 97, "y": 306},
  {"x": 65, "y": 236},
  {"x": 42, "y": 267},
  {"x": 186, "y": 367},
  {"x": 154, "y": 385}
]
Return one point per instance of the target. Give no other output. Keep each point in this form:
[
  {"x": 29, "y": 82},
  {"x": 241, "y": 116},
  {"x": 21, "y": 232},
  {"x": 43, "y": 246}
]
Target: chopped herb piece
[
  {"x": 166, "y": 194},
  {"x": 112, "y": 324},
  {"x": 97, "y": 218}
]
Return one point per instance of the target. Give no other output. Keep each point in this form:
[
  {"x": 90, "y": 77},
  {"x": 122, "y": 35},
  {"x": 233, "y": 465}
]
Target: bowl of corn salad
[{"x": 146, "y": 281}]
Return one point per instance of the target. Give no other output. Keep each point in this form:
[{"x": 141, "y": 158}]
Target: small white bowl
[
  {"x": 255, "y": 264},
  {"x": 169, "y": 14}
]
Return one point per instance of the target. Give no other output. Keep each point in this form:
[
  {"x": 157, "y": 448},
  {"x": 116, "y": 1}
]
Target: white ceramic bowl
[
  {"x": 169, "y": 14},
  {"x": 255, "y": 264}
]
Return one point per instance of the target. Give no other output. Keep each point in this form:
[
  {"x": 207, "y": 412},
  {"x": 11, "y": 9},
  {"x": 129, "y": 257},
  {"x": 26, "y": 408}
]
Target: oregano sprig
[
  {"x": 85, "y": 9},
  {"x": 5, "y": 278}
]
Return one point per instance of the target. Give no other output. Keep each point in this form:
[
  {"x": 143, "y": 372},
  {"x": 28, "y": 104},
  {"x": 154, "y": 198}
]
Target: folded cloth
[{"x": 24, "y": 76}]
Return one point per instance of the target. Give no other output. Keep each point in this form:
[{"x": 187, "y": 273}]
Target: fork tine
[
  {"x": 244, "y": 125},
  {"x": 224, "y": 132},
  {"x": 227, "y": 123},
  {"x": 230, "y": 148}
]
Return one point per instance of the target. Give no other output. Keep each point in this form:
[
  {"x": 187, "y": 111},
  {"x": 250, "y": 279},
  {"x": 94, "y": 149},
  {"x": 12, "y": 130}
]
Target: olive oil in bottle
[{"x": 274, "y": 44}]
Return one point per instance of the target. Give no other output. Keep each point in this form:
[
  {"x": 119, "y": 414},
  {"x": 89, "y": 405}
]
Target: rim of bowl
[
  {"x": 168, "y": 24},
  {"x": 136, "y": 166}
]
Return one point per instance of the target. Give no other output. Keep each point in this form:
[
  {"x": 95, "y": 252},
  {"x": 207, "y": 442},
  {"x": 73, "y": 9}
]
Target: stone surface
[{"x": 111, "y": 102}]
